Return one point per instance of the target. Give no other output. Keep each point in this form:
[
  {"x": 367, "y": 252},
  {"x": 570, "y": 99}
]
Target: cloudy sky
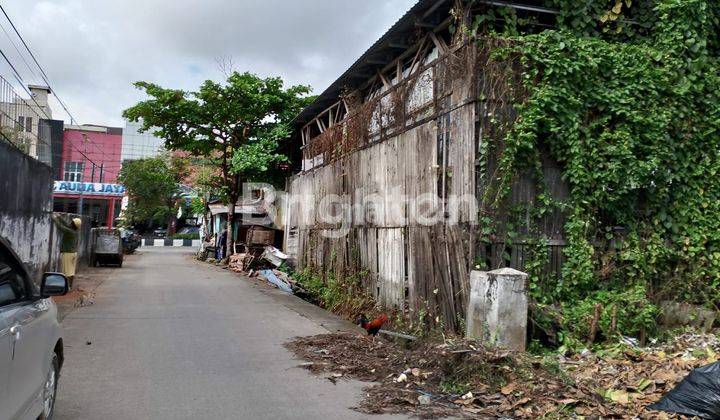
[{"x": 92, "y": 50}]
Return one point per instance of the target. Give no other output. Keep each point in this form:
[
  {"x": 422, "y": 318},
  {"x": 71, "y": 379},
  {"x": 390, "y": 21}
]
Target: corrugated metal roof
[
  {"x": 405, "y": 24},
  {"x": 330, "y": 95}
]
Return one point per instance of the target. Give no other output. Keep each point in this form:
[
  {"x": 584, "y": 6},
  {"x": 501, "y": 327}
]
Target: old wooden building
[{"x": 390, "y": 176}]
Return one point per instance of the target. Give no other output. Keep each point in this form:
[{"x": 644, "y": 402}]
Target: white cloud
[{"x": 93, "y": 50}]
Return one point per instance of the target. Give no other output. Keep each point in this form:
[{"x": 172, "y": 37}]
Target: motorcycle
[{"x": 130, "y": 242}]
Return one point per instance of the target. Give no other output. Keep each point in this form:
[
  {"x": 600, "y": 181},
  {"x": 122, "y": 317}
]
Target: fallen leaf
[
  {"x": 508, "y": 389},
  {"x": 584, "y": 411},
  {"x": 520, "y": 402},
  {"x": 711, "y": 354},
  {"x": 644, "y": 384},
  {"x": 472, "y": 410},
  {"x": 568, "y": 401},
  {"x": 665, "y": 376},
  {"x": 617, "y": 396},
  {"x": 463, "y": 402}
]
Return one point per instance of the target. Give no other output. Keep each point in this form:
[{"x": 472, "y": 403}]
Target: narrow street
[
  {"x": 517, "y": 202},
  {"x": 170, "y": 337}
]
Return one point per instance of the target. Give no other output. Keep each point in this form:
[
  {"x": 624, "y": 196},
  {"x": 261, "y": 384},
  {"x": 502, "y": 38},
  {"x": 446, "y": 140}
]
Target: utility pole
[
  {"x": 79, "y": 184},
  {"x": 80, "y": 202}
]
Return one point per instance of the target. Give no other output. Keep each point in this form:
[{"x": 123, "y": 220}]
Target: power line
[
  {"x": 45, "y": 78},
  {"x": 107, "y": 169},
  {"x": 39, "y": 108},
  {"x": 16, "y": 74},
  {"x": 42, "y": 71},
  {"x": 20, "y": 80},
  {"x": 22, "y": 56}
]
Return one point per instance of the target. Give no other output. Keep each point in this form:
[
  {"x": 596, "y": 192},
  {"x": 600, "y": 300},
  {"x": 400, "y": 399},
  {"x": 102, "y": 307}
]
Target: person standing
[
  {"x": 222, "y": 244},
  {"x": 68, "y": 246}
]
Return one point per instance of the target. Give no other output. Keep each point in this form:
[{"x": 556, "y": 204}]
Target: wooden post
[{"x": 594, "y": 324}]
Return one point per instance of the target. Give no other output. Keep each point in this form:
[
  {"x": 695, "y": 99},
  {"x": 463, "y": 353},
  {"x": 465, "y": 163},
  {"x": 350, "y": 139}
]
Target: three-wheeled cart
[{"x": 106, "y": 247}]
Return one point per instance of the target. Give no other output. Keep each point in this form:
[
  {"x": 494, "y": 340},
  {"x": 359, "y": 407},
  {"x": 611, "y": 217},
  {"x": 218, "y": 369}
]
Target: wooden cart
[{"x": 106, "y": 247}]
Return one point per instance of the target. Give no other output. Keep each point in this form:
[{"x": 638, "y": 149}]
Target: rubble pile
[
  {"x": 463, "y": 379},
  {"x": 236, "y": 263},
  {"x": 256, "y": 258}
]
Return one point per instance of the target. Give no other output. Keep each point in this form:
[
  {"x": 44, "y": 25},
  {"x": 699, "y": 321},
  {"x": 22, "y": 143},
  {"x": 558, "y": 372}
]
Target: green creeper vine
[{"x": 635, "y": 123}]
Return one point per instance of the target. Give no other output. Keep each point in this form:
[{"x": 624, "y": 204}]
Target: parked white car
[{"x": 31, "y": 349}]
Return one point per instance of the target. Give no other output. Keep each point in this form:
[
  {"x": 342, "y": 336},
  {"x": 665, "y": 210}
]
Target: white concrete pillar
[
  {"x": 497, "y": 311},
  {"x": 476, "y": 312}
]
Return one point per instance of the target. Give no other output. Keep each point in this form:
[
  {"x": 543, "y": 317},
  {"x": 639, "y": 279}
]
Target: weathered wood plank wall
[
  {"x": 411, "y": 265},
  {"x": 410, "y": 262}
]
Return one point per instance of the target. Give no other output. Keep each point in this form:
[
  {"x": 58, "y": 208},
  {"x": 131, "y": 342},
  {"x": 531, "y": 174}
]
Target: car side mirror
[{"x": 53, "y": 284}]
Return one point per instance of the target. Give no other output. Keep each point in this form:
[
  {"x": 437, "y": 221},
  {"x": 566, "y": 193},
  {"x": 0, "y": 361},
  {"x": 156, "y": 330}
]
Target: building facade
[
  {"x": 51, "y": 132},
  {"x": 91, "y": 162},
  {"x": 22, "y": 120},
  {"x": 137, "y": 145}
]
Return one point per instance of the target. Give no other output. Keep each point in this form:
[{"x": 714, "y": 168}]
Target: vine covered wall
[
  {"x": 596, "y": 139},
  {"x": 631, "y": 112}
]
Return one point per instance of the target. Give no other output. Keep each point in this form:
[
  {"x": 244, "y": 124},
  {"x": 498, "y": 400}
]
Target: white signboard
[{"x": 88, "y": 188}]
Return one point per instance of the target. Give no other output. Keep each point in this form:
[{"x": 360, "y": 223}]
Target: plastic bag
[
  {"x": 274, "y": 256},
  {"x": 697, "y": 395}
]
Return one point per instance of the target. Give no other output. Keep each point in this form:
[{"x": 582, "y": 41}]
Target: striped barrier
[{"x": 171, "y": 242}]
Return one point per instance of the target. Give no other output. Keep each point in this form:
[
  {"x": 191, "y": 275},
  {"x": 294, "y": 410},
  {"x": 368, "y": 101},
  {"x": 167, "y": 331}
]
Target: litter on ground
[{"x": 461, "y": 378}]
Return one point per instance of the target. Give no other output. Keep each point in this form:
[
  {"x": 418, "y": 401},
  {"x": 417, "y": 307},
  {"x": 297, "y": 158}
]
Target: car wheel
[{"x": 50, "y": 389}]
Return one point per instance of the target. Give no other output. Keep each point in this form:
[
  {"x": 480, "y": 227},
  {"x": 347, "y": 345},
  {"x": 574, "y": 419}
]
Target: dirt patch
[
  {"x": 463, "y": 379},
  {"x": 84, "y": 288}
]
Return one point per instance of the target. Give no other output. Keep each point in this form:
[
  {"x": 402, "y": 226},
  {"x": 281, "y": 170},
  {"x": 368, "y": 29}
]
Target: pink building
[
  {"x": 91, "y": 162},
  {"x": 89, "y": 148}
]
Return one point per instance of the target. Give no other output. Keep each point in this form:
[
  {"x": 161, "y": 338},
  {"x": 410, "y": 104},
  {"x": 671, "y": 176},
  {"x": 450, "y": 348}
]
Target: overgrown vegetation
[
  {"x": 342, "y": 295},
  {"x": 634, "y": 121}
]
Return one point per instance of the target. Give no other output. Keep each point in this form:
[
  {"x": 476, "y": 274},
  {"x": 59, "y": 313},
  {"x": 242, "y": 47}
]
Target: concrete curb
[{"x": 171, "y": 242}]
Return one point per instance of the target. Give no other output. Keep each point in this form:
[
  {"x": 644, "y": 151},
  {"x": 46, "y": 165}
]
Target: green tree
[
  {"x": 236, "y": 125},
  {"x": 152, "y": 187}
]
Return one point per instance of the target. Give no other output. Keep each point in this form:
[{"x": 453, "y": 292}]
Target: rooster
[{"x": 372, "y": 327}]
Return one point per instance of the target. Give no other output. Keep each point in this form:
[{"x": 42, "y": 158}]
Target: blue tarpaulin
[{"x": 272, "y": 278}]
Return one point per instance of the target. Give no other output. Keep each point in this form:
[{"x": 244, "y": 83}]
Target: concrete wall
[{"x": 25, "y": 207}]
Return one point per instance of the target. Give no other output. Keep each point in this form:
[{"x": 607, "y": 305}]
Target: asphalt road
[{"x": 171, "y": 338}]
